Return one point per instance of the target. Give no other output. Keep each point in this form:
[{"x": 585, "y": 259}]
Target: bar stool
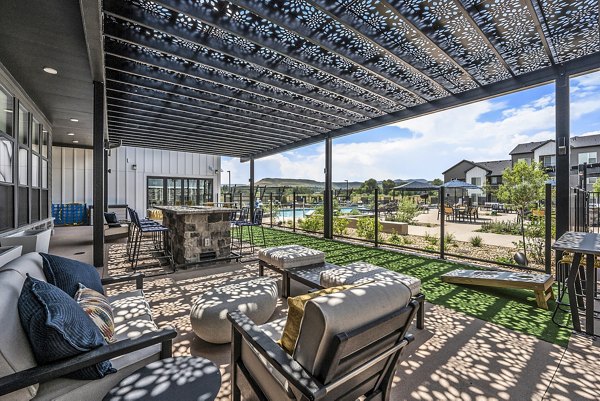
[
  {"x": 159, "y": 239},
  {"x": 562, "y": 273},
  {"x": 255, "y": 222},
  {"x": 237, "y": 224}
]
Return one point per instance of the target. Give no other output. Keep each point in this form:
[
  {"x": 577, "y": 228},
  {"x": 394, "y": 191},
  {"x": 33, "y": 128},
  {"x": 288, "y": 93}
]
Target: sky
[{"x": 424, "y": 147}]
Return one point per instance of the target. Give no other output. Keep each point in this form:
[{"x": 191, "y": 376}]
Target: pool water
[{"x": 304, "y": 212}]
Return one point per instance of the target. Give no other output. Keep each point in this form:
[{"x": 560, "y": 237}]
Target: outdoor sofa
[{"x": 139, "y": 342}]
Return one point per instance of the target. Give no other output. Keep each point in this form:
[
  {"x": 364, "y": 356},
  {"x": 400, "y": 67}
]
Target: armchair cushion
[
  {"x": 331, "y": 314},
  {"x": 98, "y": 309},
  {"x": 58, "y": 328},
  {"x": 66, "y": 274},
  {"x": 295, "y": 313}
]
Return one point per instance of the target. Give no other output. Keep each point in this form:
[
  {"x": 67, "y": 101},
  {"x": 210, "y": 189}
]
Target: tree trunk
[{"x": 523, "y": 232}]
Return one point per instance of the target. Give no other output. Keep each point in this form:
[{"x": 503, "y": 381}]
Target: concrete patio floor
[{"x": 456, "y": 357}]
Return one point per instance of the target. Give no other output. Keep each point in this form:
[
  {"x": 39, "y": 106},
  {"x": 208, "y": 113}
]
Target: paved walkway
[{"x": 464, "y": 231}]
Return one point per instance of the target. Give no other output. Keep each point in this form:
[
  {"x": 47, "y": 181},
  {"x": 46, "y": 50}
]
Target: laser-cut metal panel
[
  {"x": 250, "y": 77},
  {"x": 572, "y": 26},
  {"x": 510, "y": 26}
]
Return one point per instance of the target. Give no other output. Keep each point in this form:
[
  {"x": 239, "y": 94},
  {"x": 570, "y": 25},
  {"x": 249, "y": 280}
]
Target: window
[
  {"x": 6, "y": 113},
  {"x": 23, "y": 164},
  {"x": 548, "y": 160},
  {"x": 44, "y": 174},
  {"x": 35, "y": 136},
  {"x": 35, "y": 171},
  {"x": 6, "y": 160},
  {"x": 23, "y": 126},
  {"x": 494, "y": 180},
  {"x": 44, "y": 142},
  {"x": 178, "y": 191},
  {"x": 476, "y": 181},
  {"x": 588, "y": 157},
  {"x": 525, "y": 159}
]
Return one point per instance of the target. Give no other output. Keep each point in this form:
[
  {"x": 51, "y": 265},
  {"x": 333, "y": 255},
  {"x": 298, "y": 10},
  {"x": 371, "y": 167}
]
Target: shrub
[
  {"x": 365, "y": 228},
  {"x": 407, "y": 211},
  {"x": 476, "y": 241},
  {"x": 407, "y": 240},
  {"x": 313, "y": 223},
  {"x": 501, "y": 227},
  {"x": 340, "y": 226},
  {"x": 395, "y": 238},
  {"x": 431, "y": 239},
  {"x": 449, "y": 238}
]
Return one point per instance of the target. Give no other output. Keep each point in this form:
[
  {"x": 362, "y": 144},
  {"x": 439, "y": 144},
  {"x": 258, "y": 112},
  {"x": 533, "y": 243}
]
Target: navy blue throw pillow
[
  {"x": 58, "y": 328},
  {"x": 66, "y": 274}
]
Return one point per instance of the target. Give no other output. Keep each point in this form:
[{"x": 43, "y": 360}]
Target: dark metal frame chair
[{"x": 361, "y": 362}]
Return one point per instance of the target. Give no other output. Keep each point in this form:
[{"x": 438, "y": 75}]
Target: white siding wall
[
  {"x": 72, "y": 173},
  {"x": 479, "y": 173},
  {"x": 546, "y": 150}
]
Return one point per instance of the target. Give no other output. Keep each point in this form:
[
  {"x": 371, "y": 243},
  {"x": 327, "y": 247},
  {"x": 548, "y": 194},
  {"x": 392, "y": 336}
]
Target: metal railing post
[
  {"x": 442, "y": 221},
  {"x": 271, "y": 202},
  {"x": 376, "y": 217},
  {"x": 548, "y": 229}
]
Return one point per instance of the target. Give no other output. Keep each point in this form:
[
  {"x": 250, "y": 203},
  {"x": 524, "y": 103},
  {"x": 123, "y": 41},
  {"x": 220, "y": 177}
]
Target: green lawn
[{"x": 513, "y": 309}]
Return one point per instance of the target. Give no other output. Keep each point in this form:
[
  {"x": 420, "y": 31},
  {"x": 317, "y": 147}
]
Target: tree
[
  {"x": 522, "y": 185},
  {"x": 387, "y": 186},
  {"x": 369, "y": 186},
  {"x": 437, "y": 181}
]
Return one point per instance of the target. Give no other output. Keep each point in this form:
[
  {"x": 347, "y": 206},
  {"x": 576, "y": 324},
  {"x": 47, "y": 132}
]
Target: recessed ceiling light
[
  {"x": 50, "y": 70},
  {"x": 75, "y": 141},
  {"x": 7, "y": 110},
  {"x": 44, "y": 131},
  {"x": 74, "y": 120},
  {"x": 71, "y": 133}
]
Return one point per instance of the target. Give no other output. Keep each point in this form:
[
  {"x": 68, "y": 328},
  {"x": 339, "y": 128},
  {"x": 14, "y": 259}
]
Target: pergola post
[
  {"x": 562, "y": 152},
  {"x": 252, "y": 200},
  {"x": 328, "y": 198},
  {"x": 98, "y": 174}
]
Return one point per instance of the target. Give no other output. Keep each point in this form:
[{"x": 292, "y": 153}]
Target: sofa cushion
[
  {"x": 295, "y": 313},
  {"x": 362, "y": 272},
  {"x": 15, "y": 351},
  {"x": 129, "y": 305},
  {"x": 98, "y": 309},
  {"x": 66, "y": 274},
  {"x": 290, "y": 256},
  {"x": 332, "y": 314},
  {"x": 58, "y": 328}
]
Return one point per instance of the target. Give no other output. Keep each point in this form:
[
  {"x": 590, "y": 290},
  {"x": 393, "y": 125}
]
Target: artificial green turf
[{"x": 510, "y": 308}]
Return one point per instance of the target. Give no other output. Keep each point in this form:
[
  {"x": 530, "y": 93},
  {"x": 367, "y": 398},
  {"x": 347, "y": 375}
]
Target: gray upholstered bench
[{"x": 283, "y": 258}]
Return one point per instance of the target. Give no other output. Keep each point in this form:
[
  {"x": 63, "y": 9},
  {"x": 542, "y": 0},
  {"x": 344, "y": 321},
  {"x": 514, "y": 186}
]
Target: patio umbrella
[{"x": 459, "y": 184}]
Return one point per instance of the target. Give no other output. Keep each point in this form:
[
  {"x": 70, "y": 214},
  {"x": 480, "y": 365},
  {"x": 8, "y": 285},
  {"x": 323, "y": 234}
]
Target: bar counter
[{"x": 197, "y": 233}]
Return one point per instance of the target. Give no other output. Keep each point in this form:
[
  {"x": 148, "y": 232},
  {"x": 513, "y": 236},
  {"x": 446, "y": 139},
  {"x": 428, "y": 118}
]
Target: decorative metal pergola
[{"x": 250, "y": 78}]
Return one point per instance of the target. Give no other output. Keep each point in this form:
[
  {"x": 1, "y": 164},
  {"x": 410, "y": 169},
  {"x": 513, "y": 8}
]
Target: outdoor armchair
[{"x": 348, "y": 346}]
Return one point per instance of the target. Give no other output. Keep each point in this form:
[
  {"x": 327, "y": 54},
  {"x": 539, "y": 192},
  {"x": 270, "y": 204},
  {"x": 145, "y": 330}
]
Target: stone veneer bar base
[{"x": 198, "y": 234}]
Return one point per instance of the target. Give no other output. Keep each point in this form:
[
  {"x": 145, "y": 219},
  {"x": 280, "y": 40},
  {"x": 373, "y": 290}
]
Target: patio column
[
  {"x": 562, "y": 152},
  {"x": 328, "y": 198},
  {"x": 98, "y": 174},
  {"x": 252, "y": 188}
]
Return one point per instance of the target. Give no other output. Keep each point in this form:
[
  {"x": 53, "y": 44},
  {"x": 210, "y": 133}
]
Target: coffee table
[{"x": 185, "y": 378}]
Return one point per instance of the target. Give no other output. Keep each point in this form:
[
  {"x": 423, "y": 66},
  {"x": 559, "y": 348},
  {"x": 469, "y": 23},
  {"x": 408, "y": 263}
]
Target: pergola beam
[
  {"x": 574, "y": 67},
  {"x": 155, "y": 81},
  {"x": 200, "y": 114},
  {"x": 283, "y": 63},
  {"x": 179, "y": 98},
  {"x": 280, "y": 89},
  {"x": 163, "y": 72}
]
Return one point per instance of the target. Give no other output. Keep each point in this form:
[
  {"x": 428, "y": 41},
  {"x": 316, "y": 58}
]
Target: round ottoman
[{"x": 256, "y": 298}]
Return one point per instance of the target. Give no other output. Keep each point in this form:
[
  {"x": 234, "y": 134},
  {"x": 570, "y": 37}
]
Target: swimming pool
[{"x": 303, "y": 212}]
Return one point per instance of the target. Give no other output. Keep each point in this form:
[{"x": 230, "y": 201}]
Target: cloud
[{"x": 428, "y": 145}]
